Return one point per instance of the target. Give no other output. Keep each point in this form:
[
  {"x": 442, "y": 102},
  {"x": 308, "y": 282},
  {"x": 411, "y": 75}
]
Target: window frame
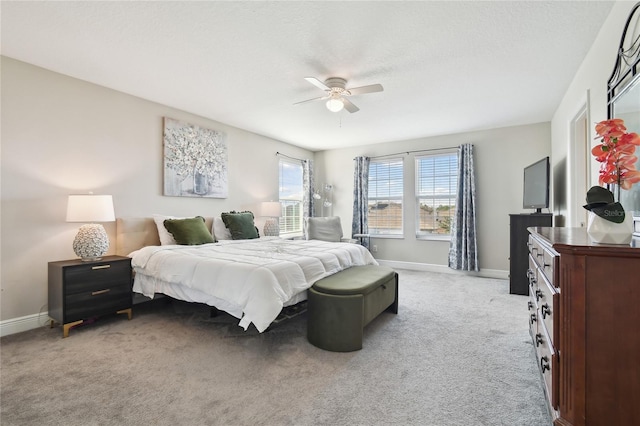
[
  {"x": 286, "y": 202},
  {"x": 451, "y": 196},
  {"x": 388, "y": 197}
]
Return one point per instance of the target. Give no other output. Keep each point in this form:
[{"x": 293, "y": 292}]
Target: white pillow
[
  {"x": 166, "y": 238},
  {"x": 220, "y": 230}
]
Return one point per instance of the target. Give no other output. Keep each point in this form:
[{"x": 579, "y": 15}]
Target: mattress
[{"x": 250, "y": 279}]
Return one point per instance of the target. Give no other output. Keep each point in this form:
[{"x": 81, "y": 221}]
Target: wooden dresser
[{"x": 584, "y": 308}]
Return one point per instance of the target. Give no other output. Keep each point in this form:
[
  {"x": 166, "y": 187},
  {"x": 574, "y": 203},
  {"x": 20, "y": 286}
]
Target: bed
[{"x": 250, "y": 279}]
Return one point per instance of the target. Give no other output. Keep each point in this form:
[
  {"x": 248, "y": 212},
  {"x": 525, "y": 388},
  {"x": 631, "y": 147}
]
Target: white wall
[
  {"x": 500, "y": 157},
  {"x": 588, "y": 86},
  {"x": 61, "y": 136}
]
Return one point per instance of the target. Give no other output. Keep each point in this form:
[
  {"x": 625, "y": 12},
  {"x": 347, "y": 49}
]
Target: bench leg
[{"x": 394, "y": 306}]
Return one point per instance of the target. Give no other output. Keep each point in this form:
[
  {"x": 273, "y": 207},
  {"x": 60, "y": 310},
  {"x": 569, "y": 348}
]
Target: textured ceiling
[{"x": 446, "y": 67}]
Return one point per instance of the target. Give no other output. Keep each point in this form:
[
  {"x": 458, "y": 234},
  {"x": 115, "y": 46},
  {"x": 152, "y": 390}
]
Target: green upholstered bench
[{"x": 341, "y": 305}]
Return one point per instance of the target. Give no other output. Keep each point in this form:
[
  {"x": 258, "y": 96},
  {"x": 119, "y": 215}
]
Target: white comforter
[{"x": 250, "y": 279}]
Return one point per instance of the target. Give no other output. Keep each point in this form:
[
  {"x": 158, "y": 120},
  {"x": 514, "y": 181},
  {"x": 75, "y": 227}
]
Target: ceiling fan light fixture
[{"x": 335, "y": 104}]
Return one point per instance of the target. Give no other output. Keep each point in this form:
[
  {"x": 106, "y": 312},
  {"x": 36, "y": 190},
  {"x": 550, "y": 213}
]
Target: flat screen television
[{"x": 536, "y": 186}]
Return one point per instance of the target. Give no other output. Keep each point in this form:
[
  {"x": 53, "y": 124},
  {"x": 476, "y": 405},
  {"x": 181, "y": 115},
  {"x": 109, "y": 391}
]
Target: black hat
[{"x": 600, "y": 201}]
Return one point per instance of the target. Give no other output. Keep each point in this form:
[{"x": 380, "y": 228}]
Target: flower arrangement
[{"x": 616, "y": 152}]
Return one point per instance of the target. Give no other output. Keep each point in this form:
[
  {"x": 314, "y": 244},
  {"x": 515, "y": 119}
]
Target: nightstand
[{"x": 80, "y": 290}]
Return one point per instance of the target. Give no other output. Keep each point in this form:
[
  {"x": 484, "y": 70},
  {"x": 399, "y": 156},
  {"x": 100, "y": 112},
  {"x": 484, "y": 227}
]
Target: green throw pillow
[
  {"x": 241, "y": 225},
  {"x": 189, "y": 232}
]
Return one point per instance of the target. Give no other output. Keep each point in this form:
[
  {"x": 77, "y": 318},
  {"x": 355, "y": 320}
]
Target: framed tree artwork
[{"x": 195, "y": 161}]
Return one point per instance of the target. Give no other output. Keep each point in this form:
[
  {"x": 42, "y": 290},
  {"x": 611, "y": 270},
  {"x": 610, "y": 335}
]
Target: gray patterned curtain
[
  {"x": 307, "y": 188},
  {"x": 463, "y": 251},
  {"x": 360, "y": 224}
]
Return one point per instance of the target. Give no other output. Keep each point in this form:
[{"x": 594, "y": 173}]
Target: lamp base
[
  {"x": 271, "y": 228},
  {"x": 91, "y": 242}
]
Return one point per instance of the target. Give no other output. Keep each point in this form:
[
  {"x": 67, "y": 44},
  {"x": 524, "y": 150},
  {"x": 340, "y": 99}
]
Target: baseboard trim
[
  {"x": 18, "y": 325},
  {"x": 428, "y": 267}
]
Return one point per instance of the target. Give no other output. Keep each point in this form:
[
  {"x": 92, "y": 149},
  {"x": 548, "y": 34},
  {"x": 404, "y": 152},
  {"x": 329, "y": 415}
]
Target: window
[
  {"x": 385, "y": 196},
  {"x": 290, "y": 196},
  {"x": 436, "y": 187}
]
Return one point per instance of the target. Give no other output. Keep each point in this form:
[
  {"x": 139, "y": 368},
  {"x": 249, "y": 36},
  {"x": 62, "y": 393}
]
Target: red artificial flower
[{"x": 616, "y": 152}]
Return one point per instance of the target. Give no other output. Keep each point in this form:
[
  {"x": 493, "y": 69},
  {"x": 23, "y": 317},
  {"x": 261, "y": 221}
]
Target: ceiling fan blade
[
  {"x": 349, "y": 106},
  {"x": 320, "y": 85},
  {"x": 314, "y": 99},
  {"x": 366, "y": 89}
]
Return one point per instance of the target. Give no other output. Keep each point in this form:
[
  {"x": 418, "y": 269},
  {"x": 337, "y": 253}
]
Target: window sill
[
  {"x": 446, "y": 238},
  {"x": 389, "y": 236}
]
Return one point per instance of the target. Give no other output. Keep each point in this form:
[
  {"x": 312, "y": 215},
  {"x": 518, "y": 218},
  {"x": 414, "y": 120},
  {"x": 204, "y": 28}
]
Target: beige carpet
[{"x": 458, "y": 353}]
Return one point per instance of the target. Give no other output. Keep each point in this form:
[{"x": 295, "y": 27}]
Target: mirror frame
[
  {"x": 626, "y": 74},
  {"x": 623, "y": 76}
]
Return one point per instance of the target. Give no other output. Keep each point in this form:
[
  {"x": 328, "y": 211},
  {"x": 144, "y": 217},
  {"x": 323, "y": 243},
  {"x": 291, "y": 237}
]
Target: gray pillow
[{"x": 324, "y": 228}]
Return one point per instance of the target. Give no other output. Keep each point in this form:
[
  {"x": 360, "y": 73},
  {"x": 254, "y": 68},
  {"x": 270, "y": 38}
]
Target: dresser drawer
[
  {"x": 83, "y": 278},
  {"x": 547, "y": 305},
  {"x": 532, "y": 271},
  {"x": 545, "y": 258},
  {"x": 532, "y": 305},
  {"x": 547, "y": 362},
  {"x": 534, "y": 247},
  {"x": 549, "y": 266}
]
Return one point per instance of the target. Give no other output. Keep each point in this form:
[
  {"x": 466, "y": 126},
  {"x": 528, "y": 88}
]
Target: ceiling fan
[{"x": 337, "y": 93}]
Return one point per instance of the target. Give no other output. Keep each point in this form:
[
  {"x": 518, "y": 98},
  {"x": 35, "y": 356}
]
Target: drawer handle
[
  {"x": 533, "y": 318},
  {"x": 95, "y": 293},
  {"x": 529, "y": 305},
  {"x": 101, "y": 267},
  {"x": 544, "y": 364},
  {"x": 545, "y": 311},
  {"x": 539, "y": 294},
  {"x": 539, "y": 339},
  {"x": 540, "y": 254}
]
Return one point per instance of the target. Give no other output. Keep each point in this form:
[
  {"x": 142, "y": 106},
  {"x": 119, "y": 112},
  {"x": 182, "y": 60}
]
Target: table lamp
[
  {"x": 92, "y": 241},
  {"x": 272, "y": 210}
]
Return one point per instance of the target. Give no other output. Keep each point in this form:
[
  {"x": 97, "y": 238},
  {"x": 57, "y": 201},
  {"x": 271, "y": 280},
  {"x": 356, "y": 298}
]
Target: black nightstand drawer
[
  {"x": 97, "y": 276},
  {"x": 96, "y": 303}
]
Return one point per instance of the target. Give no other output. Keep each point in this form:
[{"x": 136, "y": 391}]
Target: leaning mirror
[{"x": 623, "y": 93}]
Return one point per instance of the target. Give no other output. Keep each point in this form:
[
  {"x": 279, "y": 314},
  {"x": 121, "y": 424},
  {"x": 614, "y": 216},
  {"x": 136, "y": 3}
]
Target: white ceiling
[{"x": 446, "y": 67}]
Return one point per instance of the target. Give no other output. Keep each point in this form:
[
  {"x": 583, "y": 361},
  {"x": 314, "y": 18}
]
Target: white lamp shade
[
  {"x": 90, "y": 208},
  {"x": 271, "y": 209}
]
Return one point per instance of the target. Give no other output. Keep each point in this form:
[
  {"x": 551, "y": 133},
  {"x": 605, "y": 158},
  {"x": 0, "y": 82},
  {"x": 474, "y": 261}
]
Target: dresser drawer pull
[
  {"x": 533, "y": 319},
  {"x": 545, "y": 311},
  {"x": 539, "y": 339},
  {"x": 529, "y": 305},
  {"x": 95, "y": 293},
  {"x": 101, "y": 267},
  {"x": 539, "y": 294},
  {"x": 544, "y": 364},
  {"x": 539, "y": 254}
]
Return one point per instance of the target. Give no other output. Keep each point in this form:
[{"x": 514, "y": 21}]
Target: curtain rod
[
  {"x": 417, "y": 150},
  {"x": 288, "y": 156}
]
